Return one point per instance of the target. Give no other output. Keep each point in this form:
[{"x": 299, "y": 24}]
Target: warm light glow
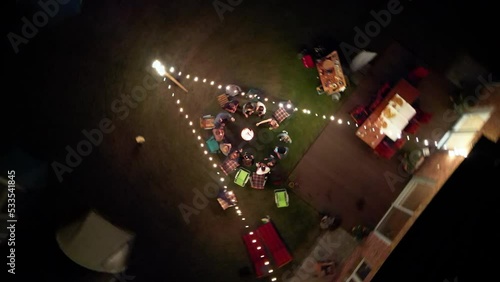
[
  {"x": 220, "y": 86},
  {"x": 332, "y": 117},
  {"x": 288, "y": 106},
  {"x": 212, "y": 82},
  {"x": 169, "y": 86},
  {"x": 254, "y": 241},
  {"x": 188, "y": 76},
  {"x": 199, "y": 137},
  {"x": 227, "y": 87},
  {"x": 178, "y": 101},
  {"x": 187, "y": 116},
  {"x": 205, "y": 152},
  {"x": 181, "y": 110},
  {"x": 194, "y": 131},
  {"x": 262, "y": 256},
  {"x": 324, "y": 117},
  {"x": 221, "y": 179},
  {"x": 280, "y": 105},
  {"x": 179, "y": 74},
  {"x": 173, "y": 94},
  {"x": 172, "y": 69},
  {"x": 202, "y": 145},
  {"x": 416, "y": 139},
  {"x": 159, "y": 68},
  {"x": 243, "y": 218},
  {"x": 339, "y": 121},
  {"x": 271, "y": 271},
  {"x": 196, "y": 79},
  {"x": 210, "y": 158},
  {"x": 316, "y": 114},
  {"x": 266, "y": 263},
  {"x": 215, "y": 165},
  {"x": 265, "y": 99},
  {"x": 426, "y": 143},
  {"x": 246, "y": 226},
  {"x": 259, "y": 247},
  {"x": 190, "y": 123},
  {"x": 251, "y": 233},
  {"x": 204, "y": 80},
  {"x": 273, "y": 279}
]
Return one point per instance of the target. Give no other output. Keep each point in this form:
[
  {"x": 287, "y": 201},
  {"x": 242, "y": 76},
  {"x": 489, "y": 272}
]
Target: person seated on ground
[
  {"x": 219, "y": 134},
  {"x": 270, "y": 161},
  {"x": 248, "y": 159},
  {"x": 222, "y": 118},
  {"x": 262, "y": 168},
  {"x": 284, "y": 137},
  {"x": 260, "y": 109},
  {"x": 248, "y": 109},
  {"x": 280, "y": 152},
  {"x": 231, "y": 106},
  {"x": 235, "y": 155},
  {"x": 273, "y": 124}
]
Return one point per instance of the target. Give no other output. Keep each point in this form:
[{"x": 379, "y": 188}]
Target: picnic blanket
[
  {"x": 257, "y": 255},
  {"x": 267, "y": 232},
  {"x": 222, "y": 99},
  {"x": 257, "y": 181},
  {"x": 280, "y": 115},
  {"x": 229, "y": 165}
]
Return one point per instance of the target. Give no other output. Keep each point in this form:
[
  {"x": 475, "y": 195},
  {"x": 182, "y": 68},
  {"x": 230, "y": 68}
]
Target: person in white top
[{"x": 260, "y": 109}]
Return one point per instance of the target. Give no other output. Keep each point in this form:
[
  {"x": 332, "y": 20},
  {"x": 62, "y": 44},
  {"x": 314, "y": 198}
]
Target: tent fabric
[
  {"x": 361, "y": 60},
  {"x": 96, "y": 244}
]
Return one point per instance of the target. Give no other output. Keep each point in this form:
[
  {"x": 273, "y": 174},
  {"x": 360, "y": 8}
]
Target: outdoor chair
[
  {"x": 207, "y": 122},
  {"x": 242, "y": 176},
  {"x": 385, "y": 150},
  {"x": 212, "y": 145},
  {"x": 281, "y": 198},
  {"x": 228, "y": 166},
  {"x": 258, "y": 181},
  {"x": 359, "y": 114},
  {"x": 222, "y": 99}
]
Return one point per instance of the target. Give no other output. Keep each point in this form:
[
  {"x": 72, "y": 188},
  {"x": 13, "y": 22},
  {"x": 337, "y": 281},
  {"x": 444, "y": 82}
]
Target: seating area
[
  {"x": 242, "y": 176},
  {"x": 281, "y": 198},
  {"x": 258, "y": 181}
]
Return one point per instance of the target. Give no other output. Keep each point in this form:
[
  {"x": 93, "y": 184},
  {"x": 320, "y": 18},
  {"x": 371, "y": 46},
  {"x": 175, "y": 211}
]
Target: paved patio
[{"x": 341, "y": 175}]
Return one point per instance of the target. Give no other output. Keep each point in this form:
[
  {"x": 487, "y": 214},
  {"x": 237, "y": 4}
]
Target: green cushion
[
  {"x": 241, "y": 177},
  {"x": 281, "y": 198},
  {"x": 213, "y": 145}
]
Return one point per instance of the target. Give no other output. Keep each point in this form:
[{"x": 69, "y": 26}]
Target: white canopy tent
[
  {"x": 361, "y": 60},
  {"x": 96, "y": 244}
]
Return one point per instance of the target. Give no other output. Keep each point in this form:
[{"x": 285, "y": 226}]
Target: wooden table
[
  {"x": 331, "y": 74},
  {"x": 371, "y": 130}
]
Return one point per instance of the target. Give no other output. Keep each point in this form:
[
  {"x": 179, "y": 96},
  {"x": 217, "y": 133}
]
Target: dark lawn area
[{"x": 67, "y": 79}]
